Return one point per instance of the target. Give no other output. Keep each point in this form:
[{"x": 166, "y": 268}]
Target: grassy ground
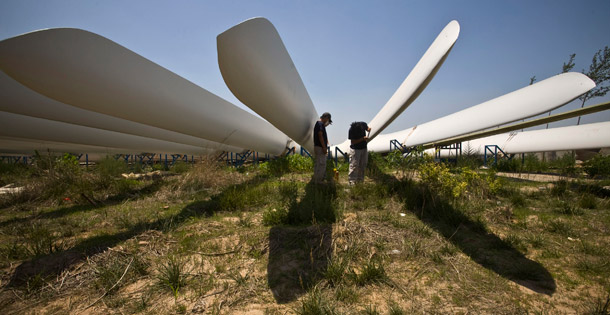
[{"x": 213, "y": 240}]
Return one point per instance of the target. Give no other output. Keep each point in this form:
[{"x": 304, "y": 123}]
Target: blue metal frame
[
  {"x": 345, "y": 156},
  {"x": 493, "y": 150},
  {"x": 303, "y": 150},
  {"x": 15, "y": 159},
  {"x": 456, "y": 146},
  {"x": 396, "y": 145}
]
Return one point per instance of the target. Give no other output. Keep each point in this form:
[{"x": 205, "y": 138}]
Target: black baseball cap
[{"x": 327, "y": 115}]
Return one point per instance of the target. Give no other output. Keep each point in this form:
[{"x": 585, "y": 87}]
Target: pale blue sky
[{"x": 352, "y": 55}]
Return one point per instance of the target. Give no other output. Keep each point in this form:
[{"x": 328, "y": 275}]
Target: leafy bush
[
  {"x": 406, "y": 163},
  {"x": 110, "y": 167},
  {"x": 599, "y": 165},
  {"x": 565, "y": 164},
  {"x": 180, "y": 167},
  {"x": 285, "y": 164},
  {"x": 532, "y": 164},
  {"x": 505, "y": 165},
  {"x": 274, "y": 216}
]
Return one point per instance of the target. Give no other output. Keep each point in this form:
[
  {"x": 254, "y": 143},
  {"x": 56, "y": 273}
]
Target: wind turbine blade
[
  {"x": 89, "y": 71},
  {"x": 18, "y": 99},
  {"x": 259, "y": 71},
  {"x": 417, "y": 80},
  {"x": 523, "y": 103},
  {"x": 10, "y": 145},
  {"x": 20, "y": 126},
  {"x": 530, "y": 101},
  {"x": 536, "y": 122},
  {"x": 589, "y": 136}
]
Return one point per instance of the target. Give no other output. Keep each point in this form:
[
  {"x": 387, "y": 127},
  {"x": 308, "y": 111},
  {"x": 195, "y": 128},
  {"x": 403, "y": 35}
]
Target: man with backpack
[{"x": 358, "y": 154}]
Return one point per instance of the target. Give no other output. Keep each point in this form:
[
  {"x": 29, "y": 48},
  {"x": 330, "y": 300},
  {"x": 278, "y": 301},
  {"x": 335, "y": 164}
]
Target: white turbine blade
[
  {"x": 531, "y": 123},
  {"x": 89, "y": 71},
  {"x": 417, "y": 80},
  {"x": 259, "y": 71},
  {"x": 589, "y": 136},
  {"x": 523, "y": 103},
  {"x": 12, "y": 145},
  {"x": 530, "y": 101},
  {"x": 18, "y": 99},
  {"x": 20, "y": 126}
]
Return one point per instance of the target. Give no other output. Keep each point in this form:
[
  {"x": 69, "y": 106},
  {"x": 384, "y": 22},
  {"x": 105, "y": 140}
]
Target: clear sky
[{"x": 352, "y": 55}]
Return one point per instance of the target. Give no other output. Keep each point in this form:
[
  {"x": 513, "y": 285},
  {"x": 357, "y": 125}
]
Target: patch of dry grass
[{"x": 203, "y": 242}]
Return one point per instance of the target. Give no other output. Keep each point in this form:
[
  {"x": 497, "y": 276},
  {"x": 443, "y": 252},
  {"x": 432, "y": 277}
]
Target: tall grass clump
[
  {"x": 372, "y": 272},
  {"x": 51, "y": 177},
  {"x": 112, "y": 272},
  {"x": 40, "y": 241},
  {"x": 316, "y": 304},
  {"x": 172, "y": 274},
  {"x": 203, "y": 176}
]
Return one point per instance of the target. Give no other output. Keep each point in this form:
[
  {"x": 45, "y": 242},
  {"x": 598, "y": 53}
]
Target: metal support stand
[
  {"x": 493, "y": 151},
  {"x": 240, "y": 158},
  {"x": 14, "y": 159},
  {"x": 291, "y": 151},
  {"x": 345, "y": 156},
  {"x": 457, "y": 147},
  {"x": 396, "y": 145},
  {"x": 303, "y": 150}
]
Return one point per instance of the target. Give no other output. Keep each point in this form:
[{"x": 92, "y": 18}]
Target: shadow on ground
[
  {"x": 471, "y": 237},
  {"x": 54, "y": 264},
  {"x": 300, "y": 252},
  {"x": 147, "y": 190}
]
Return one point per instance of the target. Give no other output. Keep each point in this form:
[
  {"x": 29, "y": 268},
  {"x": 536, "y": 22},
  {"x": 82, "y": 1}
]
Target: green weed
[
  {"x": 335, "y": 271},
  {"x": 40, "y": 241},
  {"x": 587, "y": 201},
  {"x": 346, "y": 294},
  {"x": 273, "y": 217},
  {"x": 559, "y": 227},
  {"x": 372, "y": 272},
  {"x": 316, "y": 304},
  {"x": 172, "y": 274}
]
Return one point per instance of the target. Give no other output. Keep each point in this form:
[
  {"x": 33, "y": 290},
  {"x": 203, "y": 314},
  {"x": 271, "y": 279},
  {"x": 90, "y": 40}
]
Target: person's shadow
[
  {"x": 299, "y": 252},
  {"x": 470, "y": 236}
]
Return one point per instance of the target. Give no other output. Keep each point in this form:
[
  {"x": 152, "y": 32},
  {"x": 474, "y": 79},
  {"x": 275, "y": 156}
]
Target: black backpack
[{"x": 357, "y": 130}]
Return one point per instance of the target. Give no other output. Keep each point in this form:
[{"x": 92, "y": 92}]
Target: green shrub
[
  {"x": 532, "y": 164},
  {"x": 288, "y": 163},
  {"x": 180, "y": 167},
  {"x": 587, "y": 201},
  {"x": 505, "y": 165},
  {"x": 599, "y": 165},
  {"x": 560, "y": 188},
  {"x": 275, "y": 216},
  {"x": 110, "y": 167},
  {"x": 565, "y": 164},
  {"x": 438, "y": 178}
]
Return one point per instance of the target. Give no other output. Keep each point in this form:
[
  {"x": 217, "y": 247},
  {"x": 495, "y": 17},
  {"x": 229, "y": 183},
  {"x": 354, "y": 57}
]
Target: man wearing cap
[
  {"x": 320, "y": 143},
  {"x": 358, "y": 154}
]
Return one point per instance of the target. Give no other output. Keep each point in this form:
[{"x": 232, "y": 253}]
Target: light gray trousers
[
  {"x": 319, "y": 166},
  {"x": 357, "y": 164}
]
